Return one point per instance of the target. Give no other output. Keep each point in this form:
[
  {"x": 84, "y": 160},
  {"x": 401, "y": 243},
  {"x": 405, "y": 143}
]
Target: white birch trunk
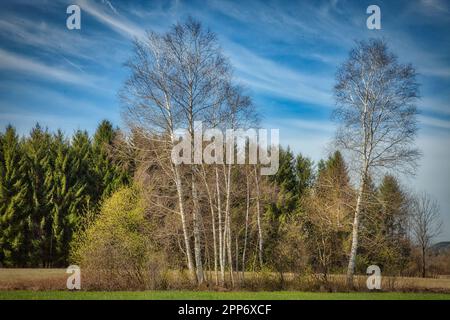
[
  {"x": 197, "y": 245},
  {"x": 355, "y": 230},
  {"x": 213, "y": 223},
  {"x": 221, "y": 248},
  {"x": 183, "y": 224},
  {"x": 258, "y": 218},
  {"x": 228, "y": 223},
  {"x": 246, "y": 226}
]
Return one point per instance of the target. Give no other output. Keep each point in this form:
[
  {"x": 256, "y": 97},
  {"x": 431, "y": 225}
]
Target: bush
[{"x": 116, "y": 251}]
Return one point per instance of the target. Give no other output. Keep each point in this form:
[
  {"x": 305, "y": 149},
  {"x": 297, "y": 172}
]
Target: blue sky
[{"x": 285, "y": 52}]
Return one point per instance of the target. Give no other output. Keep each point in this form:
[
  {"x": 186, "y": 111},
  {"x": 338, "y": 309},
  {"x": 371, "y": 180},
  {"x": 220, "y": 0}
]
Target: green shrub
[{"x": 116, "y": 251}]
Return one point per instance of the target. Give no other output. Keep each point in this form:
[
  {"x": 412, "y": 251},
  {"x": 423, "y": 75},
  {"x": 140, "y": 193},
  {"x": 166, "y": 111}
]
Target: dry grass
[
  {"x": 399, "y": 283},
  {"x": 33, "y": 279},
  {"x": 55, "y": 279}
]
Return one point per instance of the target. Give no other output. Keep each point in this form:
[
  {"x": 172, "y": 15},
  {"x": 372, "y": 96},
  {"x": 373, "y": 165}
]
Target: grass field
[
  {"x": 51, "y": 284},
  {"x": 209, "y": 295}
]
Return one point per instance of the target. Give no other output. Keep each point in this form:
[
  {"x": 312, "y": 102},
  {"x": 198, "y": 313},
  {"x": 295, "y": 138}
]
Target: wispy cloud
[
  {"x": 435, "y": 104},
  {"x": 434, "y": 122},
  {"x": 312, "y": 126},
  {"x": 121, "y": 25},
  {"x": 259, "y": 73},
  {"x": 45, "y": 36},
  {"x": 109, "y": 4},
  {"x": 270, "y": 77},
  {"x": 16, "y": 62},
  {"x": 53, "y": 99}
]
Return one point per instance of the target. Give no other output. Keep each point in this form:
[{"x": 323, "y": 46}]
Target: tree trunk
[
  {"x": 183, "y": 224},
  {"x": 180, "y": 194},
  {"x": 221, "y": 249},
  {"x": 246, "y": 227},
  {"x": 354, "y": 249},
  {"x": 258, "y": 217},
  {"x": 197, "y": 245},
  {"x": 237, "y": 256},
  {"x": 213, "y": 222},
  {"x": 228, "y": 223},
  {"x": 424, "y": 269}
]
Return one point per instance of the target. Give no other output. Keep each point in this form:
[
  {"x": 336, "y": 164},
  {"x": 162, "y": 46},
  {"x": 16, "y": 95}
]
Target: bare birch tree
[
  {"x": 201, "y": 74},
  {"x": 375, "y": 97},
  {"x": 425, "y": 225},
  {"x": 149, "y": 107},
  {"x": 176, "y": 78}
]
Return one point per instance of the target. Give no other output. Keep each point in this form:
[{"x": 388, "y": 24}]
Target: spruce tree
[
  {"x": 304, "y": 173},
  {"x": 283, "y": 206},
  {"x": 66, "y": 199},
  {"x": 108, "y": 174},
  {"x": 39, "y": 174},
  {"x": 14, "y": 208}
]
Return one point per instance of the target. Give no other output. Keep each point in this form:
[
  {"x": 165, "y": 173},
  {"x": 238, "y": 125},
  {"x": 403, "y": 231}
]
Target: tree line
[{"x": 48, "y": 183}]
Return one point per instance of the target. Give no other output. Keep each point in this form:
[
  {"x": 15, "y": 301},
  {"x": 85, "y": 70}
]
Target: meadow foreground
[{"x": 49, "y": 284}]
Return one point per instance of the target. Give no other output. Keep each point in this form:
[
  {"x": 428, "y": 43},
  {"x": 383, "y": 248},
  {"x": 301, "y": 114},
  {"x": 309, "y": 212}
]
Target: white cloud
[
  {"x": 310, "y": 126},
  {"x": 434, "y": 122},
  {"x": 46, "y": 37},
  {"x": 54, "y": 101},
  {"x": 14, "y": 62},
  {"x": 267, "y": 76},
  {"x": 434, "y": 104},
  {"x": 109, "y": 4},
  {"x": 121, "y": 25}
]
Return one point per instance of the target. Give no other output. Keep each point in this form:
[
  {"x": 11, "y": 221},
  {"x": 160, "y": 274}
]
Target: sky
[{"x": 285, "y": 53}]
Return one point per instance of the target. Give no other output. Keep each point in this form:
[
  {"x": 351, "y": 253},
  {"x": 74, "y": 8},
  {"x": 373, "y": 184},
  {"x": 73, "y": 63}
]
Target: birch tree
[
  {"x": 375, "y": 96},
  {"x": 149, "y": 106},
  {"x": 179, "y": 78},
  {"x": 201, "y": 74}
]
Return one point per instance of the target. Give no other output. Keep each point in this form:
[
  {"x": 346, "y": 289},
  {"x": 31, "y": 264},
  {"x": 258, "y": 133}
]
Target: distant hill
[{"x": 441, "y": 247}]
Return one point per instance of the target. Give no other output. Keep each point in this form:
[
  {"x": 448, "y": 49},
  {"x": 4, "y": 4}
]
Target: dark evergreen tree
[
  {"x": 47, "y": 184},
  {"x": 39, "y": 175},
  {"x": 305, "y": 174},
  {"x": 109, "y": 175},
  {"x": 284, "y": 204},
  {"x": 14, "y": 207},
  {"x": 66, "y": 199}
]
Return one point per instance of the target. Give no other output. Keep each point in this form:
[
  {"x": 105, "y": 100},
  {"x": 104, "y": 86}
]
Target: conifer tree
[
  {"x": 47, "y": 183},
  {"x": 13, "y": 202},
  {"x": 285, "y": 202},
  {"x": 66, "y": 199},
  {"x": 304, "y": 173},
  {"x": 39, "y": 174},
  {"x": 110, "y": 176}
]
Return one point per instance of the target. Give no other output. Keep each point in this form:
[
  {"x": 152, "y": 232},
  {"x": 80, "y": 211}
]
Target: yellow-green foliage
[{"x": 116, "y": 249}]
